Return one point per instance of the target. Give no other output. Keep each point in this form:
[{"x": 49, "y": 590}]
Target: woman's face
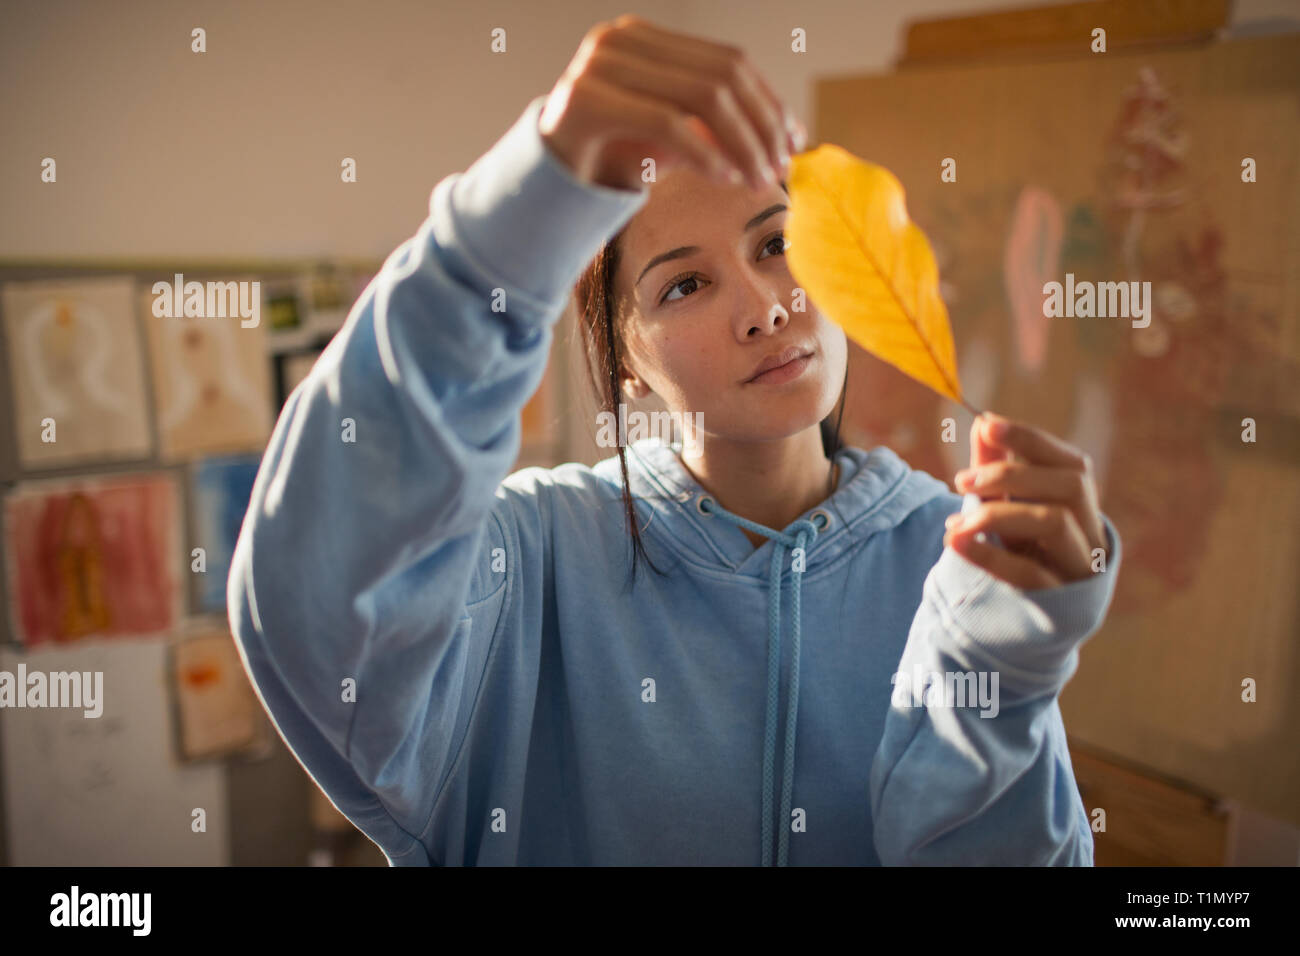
[{"x": 708, "y": 297}]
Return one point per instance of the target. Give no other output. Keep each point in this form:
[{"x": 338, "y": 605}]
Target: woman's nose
[{"x": 776, "y": 318}]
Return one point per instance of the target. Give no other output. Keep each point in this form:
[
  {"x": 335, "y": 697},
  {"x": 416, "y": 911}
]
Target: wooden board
[
  {"x": 1148, "y": 821},
  {"x": 1063, "y": 28}
]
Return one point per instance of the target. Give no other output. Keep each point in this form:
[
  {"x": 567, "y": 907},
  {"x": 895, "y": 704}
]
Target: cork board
[{"x": 1127, "y": 166}]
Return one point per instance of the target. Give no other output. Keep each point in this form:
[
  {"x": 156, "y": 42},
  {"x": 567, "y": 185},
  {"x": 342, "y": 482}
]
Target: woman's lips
[{"x": 783, "y": 373}]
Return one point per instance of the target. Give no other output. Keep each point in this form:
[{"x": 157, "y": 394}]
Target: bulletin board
[
  {"x": 127, "y": 440},
  {"x": 1128, "y": 166}
]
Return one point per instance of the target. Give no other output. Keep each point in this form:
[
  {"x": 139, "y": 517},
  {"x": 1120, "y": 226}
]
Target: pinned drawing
[
  {"x": 78, "y": 378},
  {"x": 217, "y": 711},
  {"x": 92, "y": 558},
  {"x": 106, "y": 791},
  {"x": 212, "y": 383},
  {"x": 222, "y": 487}
]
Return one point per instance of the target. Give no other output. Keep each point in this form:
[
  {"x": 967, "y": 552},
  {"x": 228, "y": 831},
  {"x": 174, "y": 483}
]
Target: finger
[
  {"x": 1023, "y": 480},
  {"x": 1019, "y": 480},
  {"x": 1031, "y": 443},
  {"x": 1015, "y": 570},
  {"x": 731, "y": 88},
  {"x": 1052, "y": 528},
  {"x": 692, "y": 94},
  {"x": 982, "y": 451},
  {"x": 665, "y": 130},
  {"x": 795, "y": 134},
  {"x": 773, "y": 123}
]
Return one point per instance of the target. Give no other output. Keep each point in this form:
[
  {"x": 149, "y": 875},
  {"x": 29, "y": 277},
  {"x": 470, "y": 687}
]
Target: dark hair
[{"x": 603, "y": 347}]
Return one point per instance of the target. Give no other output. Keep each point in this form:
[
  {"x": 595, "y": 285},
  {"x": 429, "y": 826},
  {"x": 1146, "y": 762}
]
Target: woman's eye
[
  {"x": 779, "y": 237},
  {"x": 694, "y": 281},
  {"x": 677, "y": 284}
]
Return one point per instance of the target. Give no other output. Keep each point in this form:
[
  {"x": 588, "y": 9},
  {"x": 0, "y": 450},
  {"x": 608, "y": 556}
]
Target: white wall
[{"x": 235, "y": 152}]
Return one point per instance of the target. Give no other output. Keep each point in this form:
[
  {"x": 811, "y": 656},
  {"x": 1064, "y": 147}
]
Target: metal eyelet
[
  {"x": 699, "y": 505},
  {"x": 825, "y": 519}
]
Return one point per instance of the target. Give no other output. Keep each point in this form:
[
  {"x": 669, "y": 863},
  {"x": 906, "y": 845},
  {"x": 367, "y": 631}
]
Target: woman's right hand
[{"x": 634, "y": 91}]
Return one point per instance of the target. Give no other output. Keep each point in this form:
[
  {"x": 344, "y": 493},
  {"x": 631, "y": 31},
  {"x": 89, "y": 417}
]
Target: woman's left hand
[{"x": 1038, "y": 497}]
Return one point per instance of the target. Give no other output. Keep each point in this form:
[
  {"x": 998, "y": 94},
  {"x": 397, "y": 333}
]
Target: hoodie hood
[{"x": 876, "y": 491}]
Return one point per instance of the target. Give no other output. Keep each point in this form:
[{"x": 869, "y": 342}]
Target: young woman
[{"x": 806, "y": 668}]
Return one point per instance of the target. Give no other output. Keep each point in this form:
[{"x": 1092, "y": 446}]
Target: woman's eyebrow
[
  {"x": 677, "y": 253},
  {"x": 769, "y": 211},
  {"x": 682, "y": 251}
]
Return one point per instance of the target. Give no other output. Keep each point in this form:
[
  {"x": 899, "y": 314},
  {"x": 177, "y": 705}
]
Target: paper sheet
[
  {"x": 75, "y": 360},
  {"x": 92, "y": 557},
  {"x": 106, "y": 791}
]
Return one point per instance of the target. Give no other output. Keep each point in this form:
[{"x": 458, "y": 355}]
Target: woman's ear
[{"x": 633, "y": 386}]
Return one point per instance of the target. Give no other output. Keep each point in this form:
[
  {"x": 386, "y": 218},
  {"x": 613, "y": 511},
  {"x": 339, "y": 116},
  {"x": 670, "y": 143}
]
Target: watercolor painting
[
  {"x": 222, "y": 487},
  {"x": 76, "y": 371},
  {"x": 212, "y": 384},
  {"x": 218, "y": 713},
  {"x": 93, "y": 557}
]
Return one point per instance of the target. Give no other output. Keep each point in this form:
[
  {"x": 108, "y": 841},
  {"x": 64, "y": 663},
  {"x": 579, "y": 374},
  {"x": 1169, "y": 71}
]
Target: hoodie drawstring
[{"x": 797, "y": 535}]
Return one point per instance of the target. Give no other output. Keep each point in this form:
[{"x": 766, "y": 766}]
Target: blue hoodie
[{"x": 454, "y": 656}]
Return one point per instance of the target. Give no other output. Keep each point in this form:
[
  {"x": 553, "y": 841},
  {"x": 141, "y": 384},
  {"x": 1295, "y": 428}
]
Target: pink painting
[{"x": 92, "y": 558}]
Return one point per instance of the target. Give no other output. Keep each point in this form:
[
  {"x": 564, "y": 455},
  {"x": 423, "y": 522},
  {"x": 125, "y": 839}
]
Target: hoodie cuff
[
  {"x": 520, "y": 220},
  {"x": 1033, "y": 636}
]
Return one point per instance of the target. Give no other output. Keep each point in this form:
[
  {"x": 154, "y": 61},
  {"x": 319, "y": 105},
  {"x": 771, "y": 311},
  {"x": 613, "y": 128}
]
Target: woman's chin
[{"x": 767, "y": 427}]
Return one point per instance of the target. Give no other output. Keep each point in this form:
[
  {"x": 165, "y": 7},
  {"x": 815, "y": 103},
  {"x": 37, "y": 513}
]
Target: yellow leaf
[{"x": 866, "y": 266}]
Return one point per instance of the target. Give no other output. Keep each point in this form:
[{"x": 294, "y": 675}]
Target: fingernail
[
  {"x": 995, "y": 428},
  {"x": 799, "y": 135},
  {"x": 735, "y": 176},
  {"x": 964, "y": 476},
  {"x": 952, "y": 521}
]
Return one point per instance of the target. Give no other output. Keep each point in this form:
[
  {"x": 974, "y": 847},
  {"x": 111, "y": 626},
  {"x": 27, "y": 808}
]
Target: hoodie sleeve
[
  {"x": 362, "y": 593},
  {"x": 988, "y": 783}
]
